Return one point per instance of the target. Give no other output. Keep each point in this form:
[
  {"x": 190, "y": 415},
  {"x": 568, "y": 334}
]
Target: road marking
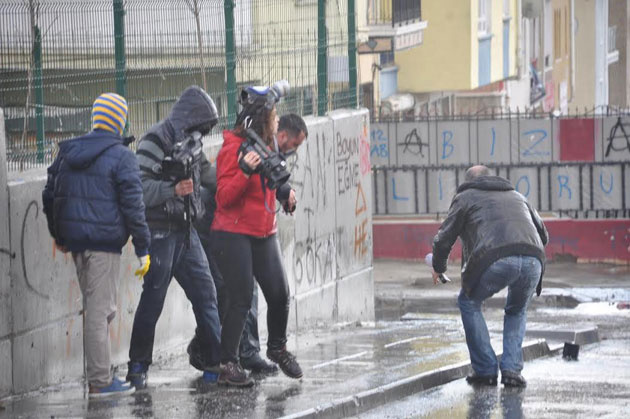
[
  {"x": 344, "y": 358},
  {"x": 400, "y": 342}
]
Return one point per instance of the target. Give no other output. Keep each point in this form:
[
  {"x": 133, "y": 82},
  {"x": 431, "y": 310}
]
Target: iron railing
[
  {"x": 151, "y": 50},
  {"x": 393, "y": 12},
  {"x": 588, "y": 205}
]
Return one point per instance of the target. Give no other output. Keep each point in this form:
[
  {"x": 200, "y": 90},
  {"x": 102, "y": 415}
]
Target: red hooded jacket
[{"x": 240, "y": 199}]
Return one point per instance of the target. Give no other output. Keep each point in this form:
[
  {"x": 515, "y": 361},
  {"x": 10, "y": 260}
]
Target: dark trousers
[
  {"x": 240, "y": 258},
  {"x": 250, "y": 342},
  {"x": 170, "y": 258}
]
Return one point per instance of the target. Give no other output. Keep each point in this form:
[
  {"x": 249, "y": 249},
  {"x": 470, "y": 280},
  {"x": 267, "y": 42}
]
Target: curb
[{"x": 366, "y": 400}]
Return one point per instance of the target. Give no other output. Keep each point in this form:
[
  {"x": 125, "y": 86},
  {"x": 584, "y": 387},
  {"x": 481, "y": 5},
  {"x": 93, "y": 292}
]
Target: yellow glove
[{"x": 144, "y": 262}]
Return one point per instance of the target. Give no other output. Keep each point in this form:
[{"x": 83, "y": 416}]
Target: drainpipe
[{"x": 572, "y": 50}]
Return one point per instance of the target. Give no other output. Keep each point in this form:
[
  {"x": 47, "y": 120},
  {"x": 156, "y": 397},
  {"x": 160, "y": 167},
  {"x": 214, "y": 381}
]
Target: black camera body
[
  {"x": 272, "y": 165},
  {"x": 185, "y": 155},
  {"x": 179, "y": 165}
]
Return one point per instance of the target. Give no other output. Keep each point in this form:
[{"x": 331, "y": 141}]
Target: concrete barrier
[
  {"x": 584, "y": 240},
  {"x": 326, "y": 245}
]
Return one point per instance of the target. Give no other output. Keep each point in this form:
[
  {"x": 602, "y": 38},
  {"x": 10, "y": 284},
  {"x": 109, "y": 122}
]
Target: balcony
[{"x": 398, "y": 20}]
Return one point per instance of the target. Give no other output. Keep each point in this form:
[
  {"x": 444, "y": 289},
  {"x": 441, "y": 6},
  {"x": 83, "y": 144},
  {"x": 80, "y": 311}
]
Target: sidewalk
[{"x": 350, "y": 369}]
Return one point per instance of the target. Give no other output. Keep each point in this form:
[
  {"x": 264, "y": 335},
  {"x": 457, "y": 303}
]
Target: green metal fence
[{"x": 57, "y": 56}]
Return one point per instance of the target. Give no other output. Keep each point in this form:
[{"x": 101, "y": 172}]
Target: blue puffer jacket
[{"x": 93, "y": 197}]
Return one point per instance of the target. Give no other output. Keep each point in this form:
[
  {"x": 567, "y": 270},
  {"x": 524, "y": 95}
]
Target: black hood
[
  {"x": 487, "y": 183},
  {"x": 193, "y": 109},
  {"x": 81, "y": 152}
]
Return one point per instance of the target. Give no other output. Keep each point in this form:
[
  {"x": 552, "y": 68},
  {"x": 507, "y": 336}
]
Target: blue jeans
[
  {"x": 520, "y": 274},
  {"x": 170, "y": 258}
]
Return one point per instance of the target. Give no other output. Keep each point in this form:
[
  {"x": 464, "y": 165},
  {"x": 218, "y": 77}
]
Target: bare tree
[{"x": 195, "y": 9}]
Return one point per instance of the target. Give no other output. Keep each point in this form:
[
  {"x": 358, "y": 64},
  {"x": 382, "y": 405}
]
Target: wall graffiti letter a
[{"x": 613, "y": 135}]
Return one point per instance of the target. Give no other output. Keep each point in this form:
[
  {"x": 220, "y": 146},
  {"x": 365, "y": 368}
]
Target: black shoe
[
  {"x": 286, "y": 361},
  {"x": 481, "y": 380},
  {"x": 137, "y": 375},
  {"x": 258, "y": 365},
  {"x": 232, "y": 374},
  {"x": 512, "y": 379},
  {"x": 195, "y": 356}
]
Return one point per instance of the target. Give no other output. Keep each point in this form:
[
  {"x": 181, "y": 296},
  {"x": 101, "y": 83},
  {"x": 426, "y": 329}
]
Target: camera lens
[{"x": 280, "y": 89}]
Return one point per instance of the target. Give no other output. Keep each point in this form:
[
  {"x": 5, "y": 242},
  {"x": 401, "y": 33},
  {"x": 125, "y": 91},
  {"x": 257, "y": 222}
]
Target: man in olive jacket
[{"x": 503, "y": 241}]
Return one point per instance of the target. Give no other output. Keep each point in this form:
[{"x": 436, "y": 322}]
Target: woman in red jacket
[{"x": 245, "y": 244}]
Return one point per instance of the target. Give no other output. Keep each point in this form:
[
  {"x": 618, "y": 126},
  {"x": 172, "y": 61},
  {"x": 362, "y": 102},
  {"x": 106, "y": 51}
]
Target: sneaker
[
  {"x": 137, "y": 375},
  {"x": 482, "y": 380},
  {"x": 286, "y": 361},
  {"x": 257, "y": 365},
  {"x": 116, "y": 388},
  {"x": 512, "y": 379},
  {"x": 232, "y": 374},
  {"x": 211, "y": 375}
]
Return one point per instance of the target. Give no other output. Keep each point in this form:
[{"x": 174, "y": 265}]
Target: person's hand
[
  {"x": 184, "y": 187},
  {"x": 144, "y": 262},
  {"x": 251, "y": 159},
  {"x": 436, "y": 277},
  {"x": 62, "y": 249},
  {"x": 289, "y": 204}
]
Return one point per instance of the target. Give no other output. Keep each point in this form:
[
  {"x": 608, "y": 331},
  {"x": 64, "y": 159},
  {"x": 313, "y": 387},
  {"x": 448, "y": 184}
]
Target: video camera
[
  {"x": 179, "y": 165},
  {"x": 272, "y": 165},
  {"x": 254, "y": 99},
  {"x": 186, "y": 153}
]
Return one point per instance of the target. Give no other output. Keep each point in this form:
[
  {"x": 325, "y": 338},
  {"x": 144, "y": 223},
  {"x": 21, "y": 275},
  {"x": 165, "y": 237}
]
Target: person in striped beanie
[
  {"x": 93, "y": 203},
  {"x": 109, "y": 113}
]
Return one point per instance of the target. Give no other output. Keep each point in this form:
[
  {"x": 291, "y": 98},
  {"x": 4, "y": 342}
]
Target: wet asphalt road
[{"x": 348, "y": 359}]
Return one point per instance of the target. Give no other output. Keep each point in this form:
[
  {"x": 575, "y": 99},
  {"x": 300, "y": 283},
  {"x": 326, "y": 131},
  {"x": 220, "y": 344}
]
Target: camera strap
[{"x": 264, "y": 189}]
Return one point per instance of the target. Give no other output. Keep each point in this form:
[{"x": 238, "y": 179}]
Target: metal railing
[
  {"x": 57, "y": 56},
  {"x": 393, "y": 12},
  {"x": 588, "y": 205}
]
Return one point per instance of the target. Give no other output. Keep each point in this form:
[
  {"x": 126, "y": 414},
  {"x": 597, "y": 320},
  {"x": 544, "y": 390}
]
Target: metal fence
[
  {"x": 56, "y": 56},
  {"x": 587, "y": 206}
]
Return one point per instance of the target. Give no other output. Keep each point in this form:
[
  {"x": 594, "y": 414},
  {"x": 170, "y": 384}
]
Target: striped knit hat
[{"x": 109, "y": 113}]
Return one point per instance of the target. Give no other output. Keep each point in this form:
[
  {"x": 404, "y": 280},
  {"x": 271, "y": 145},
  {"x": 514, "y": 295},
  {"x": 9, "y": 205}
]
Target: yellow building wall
[
  {"x": 443, "y": 61},
  {"x": 584, "y": 95},
  {"x": 496, "y": 54}
]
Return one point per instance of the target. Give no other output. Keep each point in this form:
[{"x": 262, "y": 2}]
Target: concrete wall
[{"x": 326, "y": 244}]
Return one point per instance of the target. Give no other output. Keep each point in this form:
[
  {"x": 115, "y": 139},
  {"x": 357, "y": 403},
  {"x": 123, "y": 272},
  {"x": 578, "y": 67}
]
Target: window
[
  {"x": 506, "y": 8},
  {"x": 485, "y": 15},
  {"x": 612, "y": 39}
]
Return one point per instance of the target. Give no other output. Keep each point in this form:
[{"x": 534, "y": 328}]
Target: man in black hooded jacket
[
  {"x": 503, "y": 241},
  {"x": 175, "y": 247}
]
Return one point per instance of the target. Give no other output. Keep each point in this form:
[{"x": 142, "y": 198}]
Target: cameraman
[
  {"x": 175, "y": 247},
  {"x": 244, "y": 228}
]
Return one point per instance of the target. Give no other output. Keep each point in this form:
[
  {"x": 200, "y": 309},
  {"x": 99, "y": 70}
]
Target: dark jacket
[
  {"x": 164, "y": 209},
  {"x": 93, "y": 196},
  {"x": 493, "y": 221}
]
